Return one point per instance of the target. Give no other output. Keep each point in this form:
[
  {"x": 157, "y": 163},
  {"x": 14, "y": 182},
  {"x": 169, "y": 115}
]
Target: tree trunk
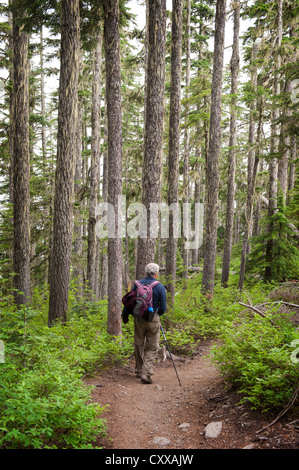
[
  {"x": 201, "y": 150},
  {"x": 42, "y": 97},
  {"x": 103, "y": 243},
  {"x": 65, "y": 167},
  {"x": 187, "y": 134},
  {"x": 197, "y": 197},
  {"x": 11, "y": 136},
  {"x": 11, "y": 119},
  {"x": 292, "y": 169},
  {"x": 21, "y": 162},
  {"x": 212, "y": 164},
  {"x": 46, "y": 209},
  {"x": 174, "y": 141},
  {"x": 273, "y": 165},
  {"x": 153, "y": 137},
  {"x": 251, "y": 180},
  {"x": 256, "y": 218},
  {"x": 77, "y": 248},
  {"x": 283, "y": 163},
  {"x": 250, "y": 164},
  {"x": 95, "y": 169},
  {"x": 114, "y": 114},
  {"x": 228, "y": 240}
]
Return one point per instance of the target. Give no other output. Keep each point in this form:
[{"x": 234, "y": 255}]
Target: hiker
[{"x": 147, "y": 333}]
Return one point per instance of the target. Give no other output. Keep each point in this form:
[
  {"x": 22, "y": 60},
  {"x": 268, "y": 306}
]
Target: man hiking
[{"x": 147, "y": 332}]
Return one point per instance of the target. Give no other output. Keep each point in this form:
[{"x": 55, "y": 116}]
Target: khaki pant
[{"x": 146, "y": 344}]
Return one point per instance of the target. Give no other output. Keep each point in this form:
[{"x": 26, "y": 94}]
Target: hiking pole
[{"x": 170, "y": 355}]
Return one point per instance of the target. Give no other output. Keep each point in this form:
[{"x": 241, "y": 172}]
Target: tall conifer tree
[
  {"x": 21, "y": 159},
  {"x": 212, "y": 163},
  {"x": 154, "y": 119},
  {"x": 174, "y": 141},
  {"x": 114, "y": 115},
  {"x": 65, "y": 167},
  {"x": 230, "y": 209},
  {"x": 92, "y": 249}
]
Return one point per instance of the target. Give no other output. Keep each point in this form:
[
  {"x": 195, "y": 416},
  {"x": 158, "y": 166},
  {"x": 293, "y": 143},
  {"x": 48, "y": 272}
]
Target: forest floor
[{"x": 165, "y": 415}]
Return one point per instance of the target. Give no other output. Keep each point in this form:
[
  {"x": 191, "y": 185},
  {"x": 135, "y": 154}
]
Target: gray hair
[{"x": 152, "y": 268}]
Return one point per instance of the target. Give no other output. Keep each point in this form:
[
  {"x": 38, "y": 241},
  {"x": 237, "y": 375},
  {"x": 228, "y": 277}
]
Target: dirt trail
[{"x": 138, "y": 414}]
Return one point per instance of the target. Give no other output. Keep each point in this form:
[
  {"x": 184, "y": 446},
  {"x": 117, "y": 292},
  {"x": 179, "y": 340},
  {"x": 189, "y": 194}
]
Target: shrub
[
  {"x": 256, "y": 356},
  {"x": 44, "y": 402},
  {"x": 47, "y": 407},
  {"x": 278, "y": 267}
]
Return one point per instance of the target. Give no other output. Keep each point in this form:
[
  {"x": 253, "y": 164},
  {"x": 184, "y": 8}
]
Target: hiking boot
[
  {"x": 138, "y": 375},
  {"x": 146, "y": 379}
]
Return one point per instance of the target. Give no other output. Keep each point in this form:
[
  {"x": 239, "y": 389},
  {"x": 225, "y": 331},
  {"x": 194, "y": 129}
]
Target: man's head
[{"x": 152, "y": 269}]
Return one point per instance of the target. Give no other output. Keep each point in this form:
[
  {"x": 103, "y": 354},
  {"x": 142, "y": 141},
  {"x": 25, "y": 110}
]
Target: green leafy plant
[
  {"x": 255, "y": 355},
  {"x": 44, "y": 402},
  {"x": 47, "y": 407},
  {"x": 282, "y": 252}
]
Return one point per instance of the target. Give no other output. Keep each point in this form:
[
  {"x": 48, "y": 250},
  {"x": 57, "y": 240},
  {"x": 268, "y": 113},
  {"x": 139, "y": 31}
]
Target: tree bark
[
  {"x": 46, "y": 209},
  {"x": 114, "y": 114},
  {"x": 65, "y": 167},
  {"x": 153, "y": 137},
  {"x": 251, "y": 182},
  {"x": 42, "y": 97},
  {"x": 212, "y": 163},
  {"x": 103, "y": 243},
  {"x": 285, "y": 140},
  {"x": 228, "y": 240},
  {"x": 92, "y": 245},
  {"x": 187, "y": 133},
  {"x": 292, "y": 169},
  {"x": 197, "y": 196},
  {"x": 174, "y": 141},
  {"x": 273, "y": 165},
  {"x": 21, "y": 162},
  {"x": 77, "y": 248}
]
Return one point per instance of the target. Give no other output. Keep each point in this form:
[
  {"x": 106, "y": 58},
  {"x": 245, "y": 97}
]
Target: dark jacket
[
  {"x": 159, "y": 298},
  {"x": 159, "y": 295}
]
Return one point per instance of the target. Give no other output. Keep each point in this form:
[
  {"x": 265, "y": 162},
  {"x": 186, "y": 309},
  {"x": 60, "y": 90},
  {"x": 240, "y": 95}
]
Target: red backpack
[{"x": 140, "y": 300}]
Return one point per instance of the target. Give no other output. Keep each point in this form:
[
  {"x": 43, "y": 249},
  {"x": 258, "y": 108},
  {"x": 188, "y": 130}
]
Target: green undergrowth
[
  {"x": 256, "y": 354},
  {"x": 45, "y": 403}
]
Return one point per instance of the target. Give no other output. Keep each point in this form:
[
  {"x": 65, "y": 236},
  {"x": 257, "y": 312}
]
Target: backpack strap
[{"x": 154, "y": 283}]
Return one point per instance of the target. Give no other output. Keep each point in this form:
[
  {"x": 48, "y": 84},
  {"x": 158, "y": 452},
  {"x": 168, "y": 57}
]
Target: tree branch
[
  {"x": 258, "y": 311},
  {"x": 283, "y": 412}
]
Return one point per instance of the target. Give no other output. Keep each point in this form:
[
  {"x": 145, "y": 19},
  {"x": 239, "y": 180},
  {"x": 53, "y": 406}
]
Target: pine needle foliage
[{"x": 285, "y": 258}]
